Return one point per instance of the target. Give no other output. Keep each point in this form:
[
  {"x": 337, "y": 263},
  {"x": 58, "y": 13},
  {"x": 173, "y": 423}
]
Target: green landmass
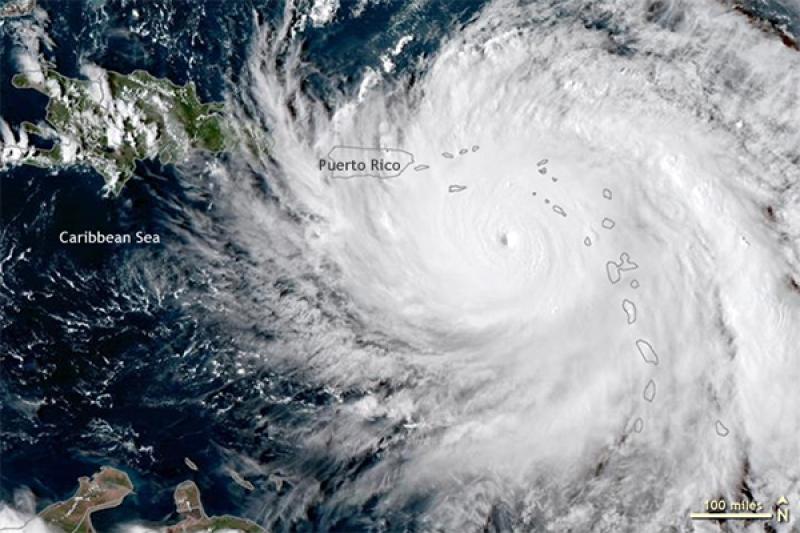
[
  {"x": 111, "y": 123},
  {"x": 194, "y": 518},
  {"x": 106, "y": 489}
]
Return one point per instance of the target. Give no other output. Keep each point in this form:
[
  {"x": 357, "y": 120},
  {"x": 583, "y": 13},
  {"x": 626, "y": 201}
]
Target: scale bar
[{"x": 731, "y": 516}]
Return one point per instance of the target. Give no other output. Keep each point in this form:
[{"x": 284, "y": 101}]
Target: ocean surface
[{"x": 106, "y": 360}]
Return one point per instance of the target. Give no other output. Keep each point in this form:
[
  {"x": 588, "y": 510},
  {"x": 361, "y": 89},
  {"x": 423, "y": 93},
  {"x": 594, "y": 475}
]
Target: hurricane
[
  {"x": 576, "y": 310},
  {"x": 602, "y": 318}
]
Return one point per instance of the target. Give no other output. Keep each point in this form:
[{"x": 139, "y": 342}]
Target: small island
[
  {"x": 109, "y": 487},
  {"x": 106, "y": 489},
  {"x": 195, "y": 519}
]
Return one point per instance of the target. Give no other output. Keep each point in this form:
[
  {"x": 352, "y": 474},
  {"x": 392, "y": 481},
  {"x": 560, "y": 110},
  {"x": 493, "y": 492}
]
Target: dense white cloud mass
[
  {"x": 13, "y": 520},
  {"x": 539, "y": 384}
]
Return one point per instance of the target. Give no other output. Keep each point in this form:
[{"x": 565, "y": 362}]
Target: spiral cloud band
[
  {"x": 477, "y": 265},
  {"x": 576, "y": 308}
]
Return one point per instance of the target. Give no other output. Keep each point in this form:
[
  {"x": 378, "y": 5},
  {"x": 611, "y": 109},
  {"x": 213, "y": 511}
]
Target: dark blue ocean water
[{"x": 104, "y": 359}]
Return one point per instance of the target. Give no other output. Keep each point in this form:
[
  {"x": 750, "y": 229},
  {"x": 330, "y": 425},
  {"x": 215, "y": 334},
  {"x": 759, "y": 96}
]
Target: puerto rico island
[{"x": 345, "y": 162}]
